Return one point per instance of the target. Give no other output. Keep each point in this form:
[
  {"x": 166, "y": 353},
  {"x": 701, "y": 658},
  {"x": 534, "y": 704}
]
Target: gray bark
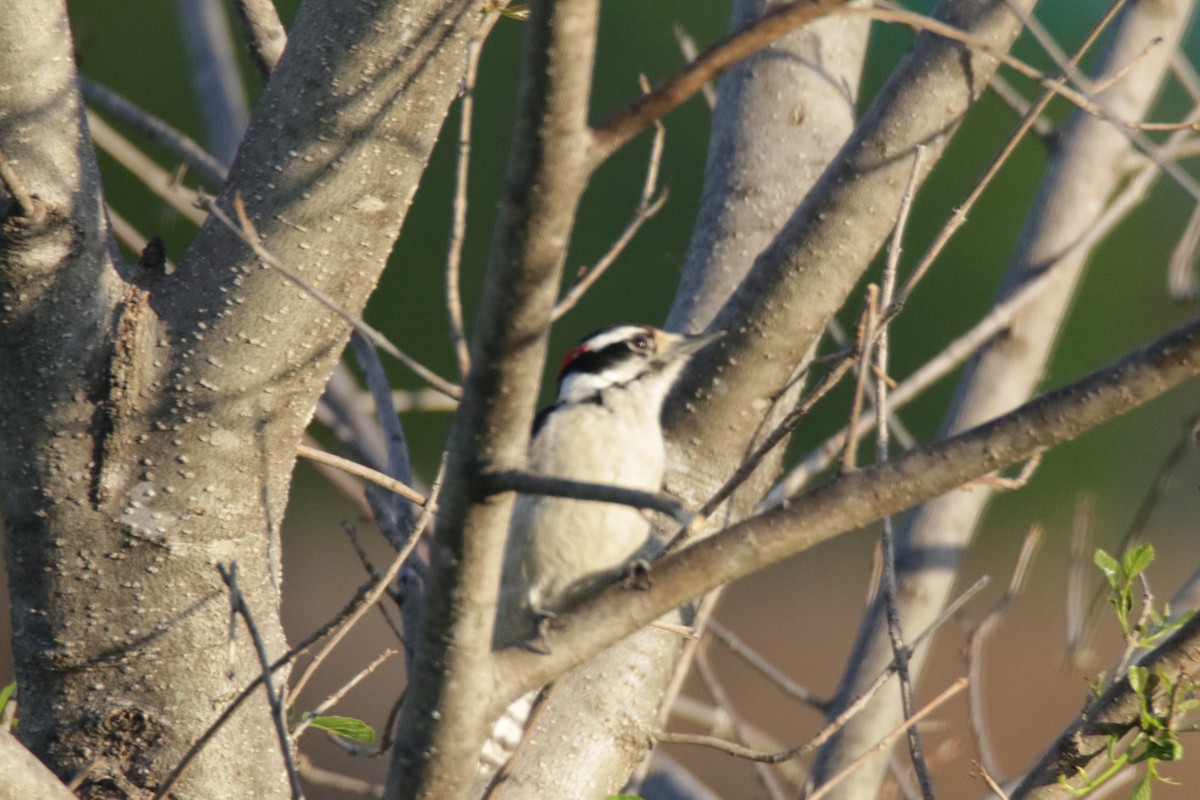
[{"x": 157, "y": 435}]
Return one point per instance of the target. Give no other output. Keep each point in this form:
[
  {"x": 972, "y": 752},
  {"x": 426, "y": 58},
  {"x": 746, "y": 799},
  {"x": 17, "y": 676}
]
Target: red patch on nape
[{"x": 572, "y": 354}]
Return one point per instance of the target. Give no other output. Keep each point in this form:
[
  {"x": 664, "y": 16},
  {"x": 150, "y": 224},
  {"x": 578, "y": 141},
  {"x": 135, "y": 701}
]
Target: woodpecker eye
[{"x": 640, "y": 342}]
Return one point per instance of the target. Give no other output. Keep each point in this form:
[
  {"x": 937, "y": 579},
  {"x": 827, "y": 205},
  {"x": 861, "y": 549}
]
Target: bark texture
[{"x": 156, "y": 439}]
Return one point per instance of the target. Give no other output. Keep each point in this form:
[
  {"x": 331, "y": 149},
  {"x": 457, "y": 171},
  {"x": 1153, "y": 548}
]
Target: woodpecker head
[{"x": 626, "y": 355}]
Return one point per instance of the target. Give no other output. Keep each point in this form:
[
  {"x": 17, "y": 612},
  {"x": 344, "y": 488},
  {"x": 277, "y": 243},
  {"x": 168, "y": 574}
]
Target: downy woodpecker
[{"x": 604, "y": 428}]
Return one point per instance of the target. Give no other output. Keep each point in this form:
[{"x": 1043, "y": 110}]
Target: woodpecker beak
[{"x": 682, "y": 345}]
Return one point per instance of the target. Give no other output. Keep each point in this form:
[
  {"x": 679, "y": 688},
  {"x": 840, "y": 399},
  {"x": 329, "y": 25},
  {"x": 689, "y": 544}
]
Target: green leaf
[
  {"x": 6, "y": 694},
  {"x": 1136, "y": 560},
  {"x": 1137, "y": 679},
  {"x": 1168, "y": 749},
  {"x": 349, "y": 727},
  {"x": 1109, "y": 566},
  {"x": 1142, "y": 790}
]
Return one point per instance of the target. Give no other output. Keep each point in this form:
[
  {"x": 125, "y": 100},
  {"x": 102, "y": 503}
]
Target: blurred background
[{"x": 801, "y": 614}]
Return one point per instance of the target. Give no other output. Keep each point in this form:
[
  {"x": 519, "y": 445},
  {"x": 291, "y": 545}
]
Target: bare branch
[
  {"x": 397, "y": 515},
  {"x": 731, "y": 640},
  {"x": 156, "y": 179},
  {"x": 886, "y": 741},
  {"x": 647, "y": 207},
  {"x": 25, "y": 776},
  {"x": 900, "y": 651},
  {"x": 628, "y": 122},
  {"x": 687, "y": 46},
  {"x": 365, "y": 598},
  {"x": 458, "y": 222},
  {"x": 770, "y": 782},
  {"x": 319, "y": 776},
  {"x": 187, "y": 149},
  {"x": 445, "y": 718},
  {"x": 330, "y": 701},
  {"x": 238, "y": 607},
  {"x": 264, "y": 33},
  {"x": 973, "y": 653},
  {"x": 366, "y": 473},
  {"x": 215, "y": 75},
  {"x": 534, "y": 483}
]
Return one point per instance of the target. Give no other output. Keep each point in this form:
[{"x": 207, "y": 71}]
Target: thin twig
[
  {"x": 751, "y": 754},
  {"x": 332, "y": 699},
  {"x": 1006, "y": 92},
  {"x": 373, "y": 574},
  {"x": 155, "y": 178},
  {"x": 512, "y": 480},
  {"x": 248, "y": 234},
  {"x": 648, "y": 205},
  {"x": 364, "y": 472},
  {"x": 715, "y": 721},
  {"x": 1077, "y": 614},
  {"x": 781, "y": 431},
  {"x": 382, "y": 586},
  {"x": 864, "y": 336},
  {"x": 338, "y": 478},
  {"x": 1004, "y": 484},
  {"x": 264, "y": 33},
  {"x": 336, "y": 780},
  {"x": 860, "y": 702},
  {"x": 1134, "y": 638},
  {"x": 631, "y": 120},
  {"x": 399, "y": 466},
  {"x": 1181, "y": 281},
  {"x": 1167, "y": 472},
  {"x": 679, "y": 673},
  {"x": 770, "y": 781},
  {"x": 178, "y": 143},
  {"x": 886, "y": 741},
  {"x": 406, "y": 400},
  {"x": 887, "y": 547},
  {"x": 687, "y": 47},
  {"x": 1054, "y": 86},
  {"x": 768, "y": 670},
  {"x": 955, "y": 353},
  {"x": 458, "y": 220},
  {"x": 990, "y": 781},
  {"x": 959, "y": 217},
  {"x": 238, "y": 607},
  {"x": 973, "y": 652}
]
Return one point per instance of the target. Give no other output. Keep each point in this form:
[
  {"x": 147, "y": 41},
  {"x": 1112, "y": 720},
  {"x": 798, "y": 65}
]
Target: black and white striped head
[{"x": 623, "y": 355}]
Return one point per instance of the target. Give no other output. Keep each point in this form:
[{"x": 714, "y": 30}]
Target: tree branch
[
  {"x": 445, "y": 718},
  {"x": 265, "y": 36},
  {"x": 638, "y": 115},
  {"x": 532, "y": 483}
]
